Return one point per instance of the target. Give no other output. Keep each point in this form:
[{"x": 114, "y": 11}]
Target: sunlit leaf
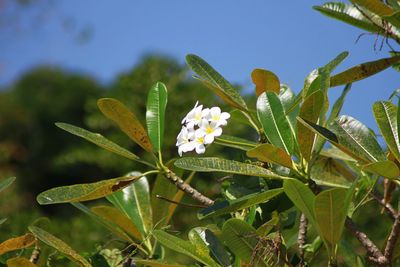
[
  {"x": 265, "y": 81},
  {"x": 363, "y": 71},
  {"x": 216, "y": 82},
  {"x": 223, "y": 165},
  {"x": 229, "y": 206},
  {"x": 375, "y": 6},
  {"x": 155, "y": 114},
  {"x": 97, "y": 139},
  {"x": 20, "y": 262},
  {"x": 115, "y": 216},
  {"x": 337, "y": 106},
  {"x": 386, "y": 168},
  {"x": 386, "y": 117},
  {"x": 235, "y": 142},
  {"x": 347, "y": 13},
  {"x": 134, "y": 202},
  {"x": 274, "y": 122},
  {"x": 59, "y": 245},
  {"x": 84, "y": 192},
  {"x": 126, "y": 120},
  {"x": 184, "y": 247},
  {"x": 336, "y": 153},
  {"x": 270, "y": 153},
  {"x": 16, "y": 243},
  {"x": 288, "y": 99},
  {"x": 309, "y": 110}
]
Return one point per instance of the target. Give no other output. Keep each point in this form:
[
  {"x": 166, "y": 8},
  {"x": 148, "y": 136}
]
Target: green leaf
[
  {"x": 235, "y": 142},
  {"x": 336, "y": 153},
  {"x": 223, "y": 165},
  {"x": 3, "y": 221},
  {"x": 274, "y": 122},
  {"x": 212, "y": 79},
  {"x": 134, "y": 202},
  {"x": 288, "y": 99},
  {"x": 114, "y": 216},
  {"x": 97, "y": 139},
  {"x": 59, "y": 245},
  {"x": 272, "y": 154},
  {"x": 337, "y": 107},
  {"x": 245, "y": 202},
  {"x": 241, "y": 239},
  {"x": 375, "y": 6},
  {"x": 386, "y": 168},
  {"x": 20, "y": 262},
  {"x": 265, "y": 81},
  {"x": 184, "y": 247},
  {"x": 265, "y": 228},
  {"x": 386, "y": 117},
  {"x": 330, "y": 215},
  {"x": 329, "y": 172},
  {"x": 17, "y": 243},
  {"x": 302, "y": 197},
  {"x": 347, "y": 13},
  {"x": 154, "y": 263},
  {"x": 84, "y": 192},
  {"x": 6, "y": 182},
  {"x": 362, "y": 71},
  {"x": 309, "y": 110},
  {"x": 155, "y": 114},
  {"x": 126, "y": 120}
]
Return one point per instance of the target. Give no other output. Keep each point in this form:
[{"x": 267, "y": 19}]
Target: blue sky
[{"x": 286, "y": 37}]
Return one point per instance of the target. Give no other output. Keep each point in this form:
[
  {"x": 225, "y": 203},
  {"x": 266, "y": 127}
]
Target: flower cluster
[{"x": 199, "y": 128}]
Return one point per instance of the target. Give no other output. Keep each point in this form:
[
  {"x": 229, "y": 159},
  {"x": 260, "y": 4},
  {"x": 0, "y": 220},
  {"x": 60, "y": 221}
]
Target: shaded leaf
[
  {"x": 216, "y": 82},
  {"x": 84, "y": 192},
  {"x": 265, "y": 81},
  {"x": 386, "y": 168},
  {"x": 362, "y": 71},
  {"x": 265, "y": 228},
  {"x": 134, "y": 202},
  {"x": 3, "y": 221},
  {"x": 270, "y": 153},
  {"x": 20, "y": 262},
  {"x": 223, "y": 165},
  {"x": 126, "y": 120},
  {"x": 329, "y": 172},
  {"x": 214, "y": 245},
  {"x": 6, "y": 182},
  {"x": 155, "y": 263},
  {"x": 229, "y": 206},
  {"x": 97, "y": 139},
  {"x": 155, "y": 114},
  {"x": 59, "y": 245},
  {"x": 274, "y": 122},
  {"x": 16, "y": 243},
  {"x": 235, "y": 142},
  {"x": 184, "y": 247},
  {"x": 336, "y": 153}
]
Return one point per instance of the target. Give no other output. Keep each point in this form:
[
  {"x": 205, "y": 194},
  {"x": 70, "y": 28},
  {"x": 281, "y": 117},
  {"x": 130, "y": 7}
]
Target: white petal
[
  {"x": 225, "y": 115},
  {"x": 217, "y": 131},
  {"x": 188, "y": 146},
  {"x": 203, "y": 124},
  {"x": 205, "y": 113},
  {"x": 199, "y": 133},
  {"x": 200, "y": 149},
  {"x": 208, "y": 139},
  {"x": 215, "y": 111}
]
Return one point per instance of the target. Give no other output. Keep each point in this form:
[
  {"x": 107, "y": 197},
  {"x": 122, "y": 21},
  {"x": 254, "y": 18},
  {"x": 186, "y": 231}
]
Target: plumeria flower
[
  {"x": 216, "y": 116},
  {"x": 198, "y": 143},
  {"x": 195, "y": 116},
  {"x": 182, "y": 141},
  {"x": 208, "y": 130}
]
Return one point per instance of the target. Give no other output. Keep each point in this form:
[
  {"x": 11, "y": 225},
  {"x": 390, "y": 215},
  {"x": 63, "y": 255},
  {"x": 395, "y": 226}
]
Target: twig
[
  {"x": 387, "y": 206},
  {"x": 302, "y": 237},
  {"x": 180, "y": 203},
  {"x": 175, "y": 179}
]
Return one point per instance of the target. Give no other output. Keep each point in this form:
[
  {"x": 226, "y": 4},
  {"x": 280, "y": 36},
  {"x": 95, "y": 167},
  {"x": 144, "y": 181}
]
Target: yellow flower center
[
  {"x": 215, "y": 118},
  {"x": 200, "y": 139},
  {"x": 209, "y": 130},
  {"x": 197, "y": 117}
]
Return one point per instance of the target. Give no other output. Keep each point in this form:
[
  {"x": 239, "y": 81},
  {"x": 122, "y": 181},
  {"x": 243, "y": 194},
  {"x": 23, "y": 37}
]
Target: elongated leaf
[
  {"x": 337, "y": 106},
  {"x": 329, "y": 172},
  {"x": 386, "y": 117},
  {"x": 59, "y": 245},
  {"x": 288, "y": 99},
  {"x": 347, "y": 13},
  {"x": 184, "y": 247},
  {"x": 154, "y": 263},
  {"x": 330, "y": 214},
  {"x": 224, "y": 165},
  {"x": 134, "y": 202},
  {"x": 272, "y": 154},
  {"x": 265, "y": 228},
  {"x": 362, "y": 71},
  {"x": 265, "y": 81},
  {"x": 97, "y": 139},
  {"x": 241, "y": 238},
  {"x": 229, "y": 206},
  {"x": 310, "y": 110},
  {"x": 155, "y": 114},
  {"x": 216, "y": 82},
  {"x": 235, "y": 142},
  {"x": 3, "y": 221},
  {"x": 375, "y": 6},
  {"x": 6, "y": 182},
  {"x": 302, "y": 197},
  {"x": 274, "y": 122},
  {"x": 386, "y": 168},
  {"x": 20, "y": 262},
  {"x": 84, "y": 192},
  {"x": 116, "y": 217},
  {"x": 16, "y": 243},
  {"x": 126, "y": 120}
]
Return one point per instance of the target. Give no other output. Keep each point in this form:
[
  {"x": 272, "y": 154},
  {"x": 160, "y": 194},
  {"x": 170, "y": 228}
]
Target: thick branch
[
  {"x": 375, "y": 255},
  {"x": 302, "y": 237},
  {"x": 392, "y": 239},
  {"x": 175, "y": 179}
]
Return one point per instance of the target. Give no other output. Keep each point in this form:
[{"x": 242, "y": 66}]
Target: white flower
[
  {"x": 184, "y": 138},
  {"x": 195, "y": 116},
  {"x": 208, "y": 130},
  {"x": 216, "y": 116}
]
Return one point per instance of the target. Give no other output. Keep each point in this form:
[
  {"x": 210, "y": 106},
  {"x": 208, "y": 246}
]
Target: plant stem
[
  {"x": 390, "y": 210},
  {"x": 392, "y": 239},
  {"x": 302, "y": 237},
  {"x": 175, "y": 179}
]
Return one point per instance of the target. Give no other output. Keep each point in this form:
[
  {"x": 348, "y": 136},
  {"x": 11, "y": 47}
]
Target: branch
[
  {"x": 302, "y": 237},
  {"x": 387, "y": 206},
  {"x": 392, "y": 239},
  {"x": 176, "y": 180}
]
